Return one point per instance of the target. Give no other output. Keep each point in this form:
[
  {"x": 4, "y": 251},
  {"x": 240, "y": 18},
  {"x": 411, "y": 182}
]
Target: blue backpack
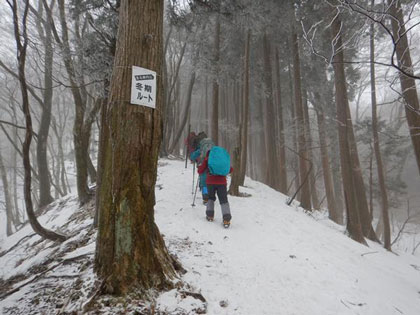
[{"x": 219, "y": 161}]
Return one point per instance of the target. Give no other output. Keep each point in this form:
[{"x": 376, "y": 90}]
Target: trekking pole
[
  {"x": 195, "y": 194},
  {"x": 187, "y": 145},
  {"x": 186, "y": 156},
  {"x": 192, "y": 190}
]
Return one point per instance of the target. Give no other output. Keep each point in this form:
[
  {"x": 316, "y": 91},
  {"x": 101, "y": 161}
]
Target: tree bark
[
  {"x": 354, "y": 227},
  {"x": 282, "y": 142},
  {"x": 305, "y": 197},
  {"x": 336, "y": 177},
  {"x": 408, "y": 85},
  {"x": 272, "y": 173},
  {"x": 130, "y": 250},
  {"x": 359, "y": 185},
  {"x": 312, "y": 178},
  {"x": 234, "y": 184},
  {"x": 44, "y": 126},
  {"x": 294, "y": 130},
  {"x": 326, "y": 171},
  {"x": 378, "y": 156},
  {"x": 207, "y": 104},
  {"x": 260, "y": 145},
  {"x": 215, "y": 106},
  {"x": 245, "y": 112}
]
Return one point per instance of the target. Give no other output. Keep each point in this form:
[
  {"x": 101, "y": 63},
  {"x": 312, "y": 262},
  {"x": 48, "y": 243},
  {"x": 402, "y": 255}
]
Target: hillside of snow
[{"x": 274, "y": 259}]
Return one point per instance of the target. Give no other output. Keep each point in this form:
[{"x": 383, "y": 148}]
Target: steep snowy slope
[{"x": 274, "y": 259}]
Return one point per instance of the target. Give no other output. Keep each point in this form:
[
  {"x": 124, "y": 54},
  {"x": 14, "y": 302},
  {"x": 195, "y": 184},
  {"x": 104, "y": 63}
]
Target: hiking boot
[
  {"x": 226, "y": 223},
  {"x": 210, "y": 219}
]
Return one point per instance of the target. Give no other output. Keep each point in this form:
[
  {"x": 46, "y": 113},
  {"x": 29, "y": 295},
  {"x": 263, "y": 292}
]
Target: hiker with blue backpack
[{"x": 216, "y": 165}]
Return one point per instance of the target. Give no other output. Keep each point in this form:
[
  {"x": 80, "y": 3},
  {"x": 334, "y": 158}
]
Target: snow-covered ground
[{"x": 274, "y": 259}]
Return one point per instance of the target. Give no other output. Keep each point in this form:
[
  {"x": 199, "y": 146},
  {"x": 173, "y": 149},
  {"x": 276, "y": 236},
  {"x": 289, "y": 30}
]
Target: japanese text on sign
[{"x": 143, "y": 87}]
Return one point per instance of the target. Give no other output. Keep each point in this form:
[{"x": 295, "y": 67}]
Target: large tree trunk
[
  {"x": 234, "y": 184},
  {"x": 282, "y": 142},
  {"x": 408, "y": 85},
  {"x": 305, "y": 197},
  {"x": 44, "y": 126},
  {"x": 215, "y": 106},
  {"x": 326, "y": 171},
  {"x": 207, "y": 104},
  {"x": 336, "y": 177},
  {"x": 378, "y": 156},
  {"x": 21, "y": 58},
  {"x": 312, "y": 177},
  {"x": 251, "y": 153},
  {"x": 130, "y": 250},
  {"x": 272, "y": 173},
  {"x": 293, "y": 125},
  {"x": 163, "y": 146},
  {"x": 354, "y": 227},
  {"x": 359, "y": 185},
  {"x": 260, "y": 145},
  {"x": 80, "y": 150},
  {"x": 245, "y": 112}
]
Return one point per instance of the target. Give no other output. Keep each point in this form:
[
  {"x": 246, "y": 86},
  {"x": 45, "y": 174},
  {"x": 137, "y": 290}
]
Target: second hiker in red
[{"x": 216, "y": 184}]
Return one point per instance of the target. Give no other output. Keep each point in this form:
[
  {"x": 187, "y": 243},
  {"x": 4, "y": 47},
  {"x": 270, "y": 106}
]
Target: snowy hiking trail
[{"x": 275, "y": 259}]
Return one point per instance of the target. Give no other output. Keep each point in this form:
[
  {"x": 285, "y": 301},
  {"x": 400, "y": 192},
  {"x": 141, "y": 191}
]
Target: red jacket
[
  {"x": 212, "y": 179},
  {"x": 189, "y": 142}
]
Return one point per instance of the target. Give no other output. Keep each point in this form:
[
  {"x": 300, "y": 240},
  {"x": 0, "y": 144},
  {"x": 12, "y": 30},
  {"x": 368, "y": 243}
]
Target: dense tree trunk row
[
  {"x": 378, "y": 155},
  {"x": 21, "y": 37},
  {"x": 305, "y": 197},
  {"x": 268, "y": 101}
]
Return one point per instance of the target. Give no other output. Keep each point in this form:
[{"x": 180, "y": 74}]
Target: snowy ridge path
[{"x": 275, "y": 259}]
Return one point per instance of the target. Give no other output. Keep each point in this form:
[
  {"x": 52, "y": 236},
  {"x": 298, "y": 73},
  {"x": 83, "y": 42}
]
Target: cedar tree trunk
[
  {"x": 130, "y": 251},
  {"x": 378, "y": 156},
  {"x": 354, "y": 227}
]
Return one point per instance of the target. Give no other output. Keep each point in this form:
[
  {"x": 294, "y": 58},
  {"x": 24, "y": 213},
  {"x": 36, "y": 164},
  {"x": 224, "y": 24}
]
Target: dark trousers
[{"x": 221, "y": 191}]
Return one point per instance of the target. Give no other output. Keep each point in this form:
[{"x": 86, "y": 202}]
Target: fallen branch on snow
[
  {"x": 16, "y": 245},
  {"x": 197, "y": 296},
  {"x": 368, "y": 253},
  {"x": 3, "y": 296}
]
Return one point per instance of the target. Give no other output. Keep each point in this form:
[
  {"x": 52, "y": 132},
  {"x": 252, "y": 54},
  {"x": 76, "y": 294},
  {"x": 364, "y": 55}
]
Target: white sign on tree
[{"x": 143, "y": 87}]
